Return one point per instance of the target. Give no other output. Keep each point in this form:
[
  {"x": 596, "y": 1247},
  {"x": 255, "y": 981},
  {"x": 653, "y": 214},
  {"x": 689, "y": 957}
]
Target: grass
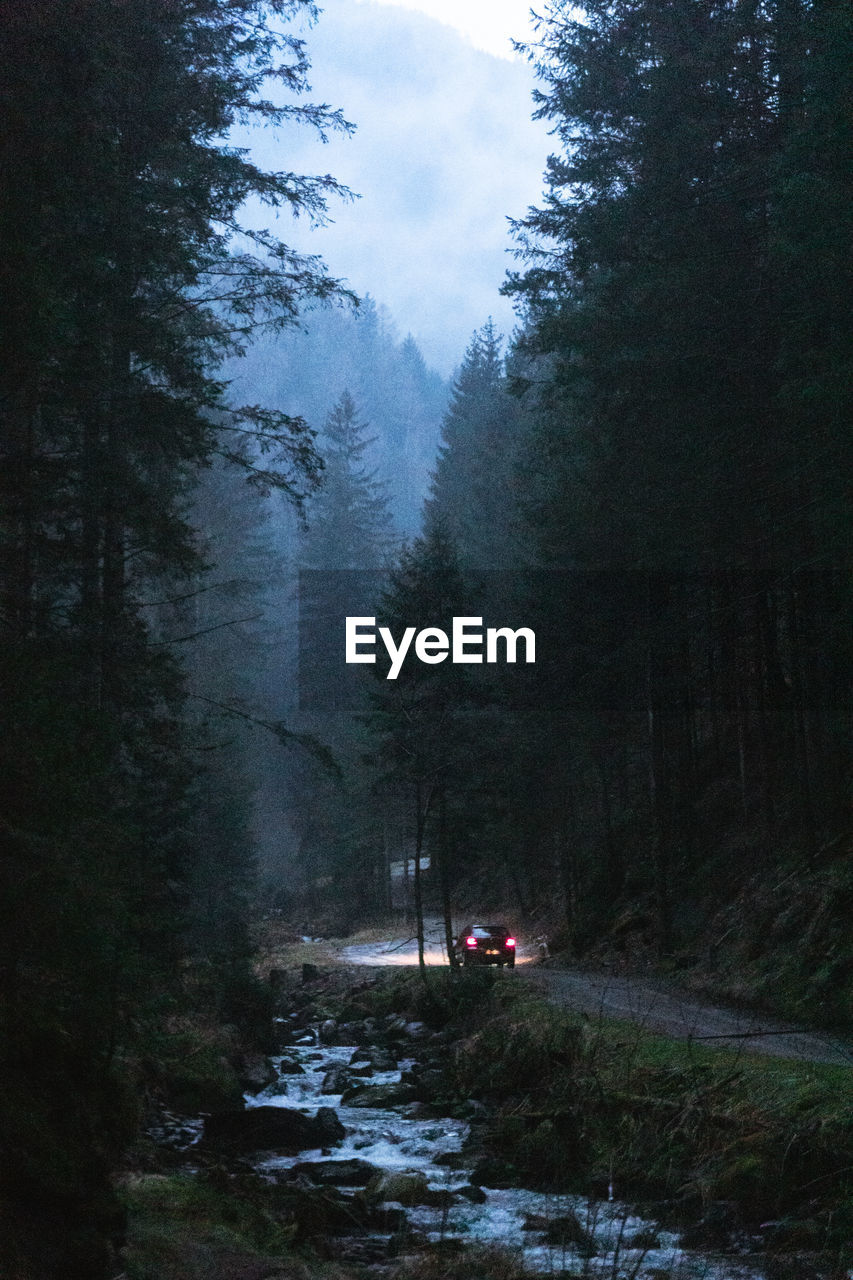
[
  {"x": 193, "y": 1227},
  {"x": 485, "y": 1262},
  {"x": 587, "y": 1106}
]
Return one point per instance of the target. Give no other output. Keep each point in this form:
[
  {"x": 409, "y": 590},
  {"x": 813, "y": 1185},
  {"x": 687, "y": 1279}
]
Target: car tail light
[
  {"x": 470, "y": 942},
  {"x": 510, "y": 942}
]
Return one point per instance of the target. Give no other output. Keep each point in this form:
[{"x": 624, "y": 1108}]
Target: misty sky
[{"x": 445, "y": 151}]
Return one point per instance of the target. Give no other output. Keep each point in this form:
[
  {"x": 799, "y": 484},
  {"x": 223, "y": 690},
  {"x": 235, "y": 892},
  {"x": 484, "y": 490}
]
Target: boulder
[
  {"x": 406, "y": 1189},
  {"x": 475, "y": 1194},
  {"x": 336, "y": 1080},
  {"x": 378, "y": 1095},
  {"x": 380, "y": 1058},
  {"x": 389, "y": 1217},
  {"x": 567, "y": 1230},
  {"x": 290, "y": 1067},
  {"x": 336, "y": 1173},
  {"x": 273, "y": 1129},
  {"x": 328, "y": 1126},
  {"x": 256, "y": 1073},
  {"x": 327, "y": 1031},
  {"x": 491, "y": 1171}
]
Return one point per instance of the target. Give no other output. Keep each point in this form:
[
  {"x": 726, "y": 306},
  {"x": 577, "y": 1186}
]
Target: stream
[{"x": 617, "y": 1243}]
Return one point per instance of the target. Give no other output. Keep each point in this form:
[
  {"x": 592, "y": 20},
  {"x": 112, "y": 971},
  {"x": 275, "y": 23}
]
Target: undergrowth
[
  {"x": 610, "y": 1108},
  {"x": 190, "y": 1227}
]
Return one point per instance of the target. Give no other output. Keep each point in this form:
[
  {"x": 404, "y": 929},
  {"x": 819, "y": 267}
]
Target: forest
[{"x": 212, "y": 453}]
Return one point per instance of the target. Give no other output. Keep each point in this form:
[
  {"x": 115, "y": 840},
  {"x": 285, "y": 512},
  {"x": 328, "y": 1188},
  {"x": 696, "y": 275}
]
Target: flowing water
[{"x": 626, "y": 1246}]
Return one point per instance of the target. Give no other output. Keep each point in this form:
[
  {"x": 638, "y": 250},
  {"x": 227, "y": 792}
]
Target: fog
[{"x": 444, "y": 153}]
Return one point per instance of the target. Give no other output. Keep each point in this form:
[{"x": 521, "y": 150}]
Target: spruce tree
[
  {"x": 349, "y": 524},
  {"x": 473, "y": 485},
  {"x": 126, "y": 283}
]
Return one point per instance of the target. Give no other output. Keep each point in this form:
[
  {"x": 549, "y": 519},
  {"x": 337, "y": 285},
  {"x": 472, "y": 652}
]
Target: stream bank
[{"x": 401, "y": 1131}]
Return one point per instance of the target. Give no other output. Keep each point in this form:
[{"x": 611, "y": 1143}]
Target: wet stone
[
  {"x": 567, "y": 1229},
  {"x": 389, "y": 1217},
  {"x": 336, "y": 1080},
  {"x": 327, "y": 1031},
  {"x": 378, "y": 1095},
  {"x": 476, "y": 1195},
  {"x": 328, "y": 1124},
  {"x": 492, "y": 1172},
  {"x": 405, "y": 1189},
  {"x": 381, "y": 1059},
  {"x": 273, "y": 1129},
  {"x": 337, "y": 1173},
  {"x": 257, "y": 1073}
]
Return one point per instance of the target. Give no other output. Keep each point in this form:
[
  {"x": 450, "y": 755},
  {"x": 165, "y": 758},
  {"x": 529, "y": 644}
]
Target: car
[{"x": 485, "y": 944}]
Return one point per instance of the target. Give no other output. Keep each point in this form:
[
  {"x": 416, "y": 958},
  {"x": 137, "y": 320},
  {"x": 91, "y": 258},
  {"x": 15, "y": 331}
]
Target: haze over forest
[{"x": 217, "y": 445}]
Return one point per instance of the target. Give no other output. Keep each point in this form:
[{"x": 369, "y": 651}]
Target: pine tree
[
  {"x": 349, "y": 522},
  {"x": 119, "y": 209},
  {"x": 421, "y": 721},
  {"x": 663, "y": 290},
  {"x": 473, "y": 486}
]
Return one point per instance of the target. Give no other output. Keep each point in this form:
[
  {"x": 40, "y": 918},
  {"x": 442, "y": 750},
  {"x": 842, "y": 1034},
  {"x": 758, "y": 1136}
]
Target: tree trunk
[
  {"x": 444, "y": 874},
  {"x": 659, "y": 781},
  {"x": 420, "y": 828}
]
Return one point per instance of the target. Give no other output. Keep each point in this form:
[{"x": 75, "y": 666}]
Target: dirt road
[
  {"x": 663, "y": 1008},
  {"x": 653, "y": 1004}
]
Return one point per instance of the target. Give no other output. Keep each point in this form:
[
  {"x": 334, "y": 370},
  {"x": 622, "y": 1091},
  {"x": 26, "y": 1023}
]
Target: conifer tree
[
  {"x": 665, "y": 280},
  {"x": 349, "y": 525},
  {"x": 125, "y": 285},
  {"x": 473, "y": 484},
  {"x": 421, "y": 721}
]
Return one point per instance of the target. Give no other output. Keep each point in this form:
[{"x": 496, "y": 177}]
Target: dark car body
[{"x": 486, "y": 944}]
